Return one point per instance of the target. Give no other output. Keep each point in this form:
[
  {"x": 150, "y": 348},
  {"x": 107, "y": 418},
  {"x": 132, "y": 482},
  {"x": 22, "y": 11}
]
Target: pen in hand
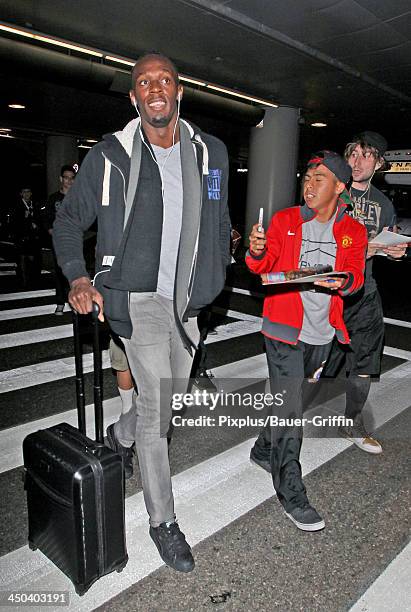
[{"x": 260, "y": 220}]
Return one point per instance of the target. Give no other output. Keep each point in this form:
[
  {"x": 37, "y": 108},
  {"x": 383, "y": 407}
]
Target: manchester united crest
[{"x": 346, "y": 242}]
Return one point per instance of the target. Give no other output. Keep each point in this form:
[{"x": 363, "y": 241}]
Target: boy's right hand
[{"x": 257, "y": 240}]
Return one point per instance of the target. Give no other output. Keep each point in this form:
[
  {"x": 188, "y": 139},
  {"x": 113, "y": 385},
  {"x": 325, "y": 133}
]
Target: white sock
[{"x": 126, "y": 399}]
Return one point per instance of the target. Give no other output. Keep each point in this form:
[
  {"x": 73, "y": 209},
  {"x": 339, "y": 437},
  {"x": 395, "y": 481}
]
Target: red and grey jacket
[{"x": 283, "y": 311}]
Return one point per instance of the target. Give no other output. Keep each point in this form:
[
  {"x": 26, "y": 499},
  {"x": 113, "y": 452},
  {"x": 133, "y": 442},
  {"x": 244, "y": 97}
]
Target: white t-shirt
[
  {"x": 318, "y": 246},
  {"x": 169, "y": 162}
]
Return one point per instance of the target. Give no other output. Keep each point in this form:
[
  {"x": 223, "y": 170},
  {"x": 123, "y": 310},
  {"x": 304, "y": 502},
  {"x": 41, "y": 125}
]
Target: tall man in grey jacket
[{"x": 159, "y": 191}]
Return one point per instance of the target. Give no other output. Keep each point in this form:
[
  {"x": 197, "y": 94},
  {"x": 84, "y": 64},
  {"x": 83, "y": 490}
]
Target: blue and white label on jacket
[{"x": 214, "y": 184}]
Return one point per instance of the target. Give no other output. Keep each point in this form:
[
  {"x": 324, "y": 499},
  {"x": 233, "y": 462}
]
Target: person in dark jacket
[
  {"x": 25, "y": 231},
  {"x": 67, "y": 176},
  {"x": 158, "y": 189},
  {"x": 363, "y": 314}
]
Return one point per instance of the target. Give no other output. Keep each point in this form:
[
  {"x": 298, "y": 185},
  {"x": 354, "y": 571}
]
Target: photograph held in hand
[{"x": 302, "y": 275}]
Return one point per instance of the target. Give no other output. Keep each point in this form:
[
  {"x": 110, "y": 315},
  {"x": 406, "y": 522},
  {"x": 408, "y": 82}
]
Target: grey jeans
[{"x": 156, "y": 355}]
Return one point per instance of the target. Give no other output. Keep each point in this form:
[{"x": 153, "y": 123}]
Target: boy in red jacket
[{"x": 300, "y": 324}]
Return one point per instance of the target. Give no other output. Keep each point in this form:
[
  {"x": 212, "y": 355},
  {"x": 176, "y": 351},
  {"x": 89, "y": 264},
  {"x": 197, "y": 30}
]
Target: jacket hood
[{"x": 126, "y": 135}]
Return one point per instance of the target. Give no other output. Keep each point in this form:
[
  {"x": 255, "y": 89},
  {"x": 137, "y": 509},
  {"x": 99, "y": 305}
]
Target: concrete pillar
[
  {"x": 60, "y": 150},
  {"x": 272, "y": 165}
]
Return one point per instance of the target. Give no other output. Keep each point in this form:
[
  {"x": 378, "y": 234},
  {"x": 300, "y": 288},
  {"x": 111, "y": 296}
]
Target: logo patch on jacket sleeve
[
  {"x": 214, "y": 184},
  {"x": 346, "y": 241}
]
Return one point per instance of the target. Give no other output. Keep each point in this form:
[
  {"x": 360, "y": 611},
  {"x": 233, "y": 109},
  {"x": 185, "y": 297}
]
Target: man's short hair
[
  {"x": 67, "y": 168},
  {"x": 158, "y": 55}
]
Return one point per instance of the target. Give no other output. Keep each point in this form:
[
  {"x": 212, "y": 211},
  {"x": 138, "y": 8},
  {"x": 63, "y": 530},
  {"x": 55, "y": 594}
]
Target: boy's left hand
[{"x": 330, "y": 283}]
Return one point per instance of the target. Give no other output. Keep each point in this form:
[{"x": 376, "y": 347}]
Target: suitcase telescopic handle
[
  {"x": 97, "y": 366},
  {"x": 98, "y": 376}
]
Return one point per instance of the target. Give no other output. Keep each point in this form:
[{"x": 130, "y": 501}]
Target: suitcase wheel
[{"x": 32, "y": 546}]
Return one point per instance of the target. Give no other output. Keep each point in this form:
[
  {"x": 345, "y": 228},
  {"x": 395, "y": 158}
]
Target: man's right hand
[
  {"x": 257, "y": 240},
  {"x": 83, "y": 294}
]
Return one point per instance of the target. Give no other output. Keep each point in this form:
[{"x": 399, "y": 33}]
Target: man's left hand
[{"x": 396, "y": 251}]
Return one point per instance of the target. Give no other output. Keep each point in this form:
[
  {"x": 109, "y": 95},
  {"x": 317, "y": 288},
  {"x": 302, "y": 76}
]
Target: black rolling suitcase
[{"x": 75, "y": 489}]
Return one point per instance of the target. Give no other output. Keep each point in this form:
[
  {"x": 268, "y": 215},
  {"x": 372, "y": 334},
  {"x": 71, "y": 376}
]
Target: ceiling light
[
  {"x": 318, "y": 124},
  {"x": 91, "y": 140},
  {"x": 5, "y": 130},
  {"x": 119, "y": 60},
  {"x": 62, "y": 43},
  {"x": 83, "y": 146},
  {"x": 231, "y": 92},
  {"x": 242, "y": 169},
  {"x": 190, "y": 80},
  {"x": 16, "y": 31},
  {"x": 20, "y": 106},
  {"x": 6, "y": 136},
  {"x": 51, "y": 41}
]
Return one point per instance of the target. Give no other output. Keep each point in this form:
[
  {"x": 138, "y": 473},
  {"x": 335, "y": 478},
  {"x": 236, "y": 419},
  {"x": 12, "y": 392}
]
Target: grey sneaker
[
  {"x": 172, "y": 546},
  {"x": 306, "y": 518},
  {"x": 125, "y": 452},
  {"x": 262, "y": 463},
  {"x": 359, "y": 436}
]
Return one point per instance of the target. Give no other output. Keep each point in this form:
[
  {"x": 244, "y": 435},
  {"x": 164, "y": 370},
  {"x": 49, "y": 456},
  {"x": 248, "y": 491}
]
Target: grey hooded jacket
[{"x": 101, "y": 191}]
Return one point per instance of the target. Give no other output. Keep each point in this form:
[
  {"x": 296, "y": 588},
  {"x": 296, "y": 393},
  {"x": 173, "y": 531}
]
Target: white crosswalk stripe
[
  {"x": 13, "y": 272},
  {"x": 21, "y": 313},
  {"x": 49, "y": 371},
  {"x": 35, "y": 336},
  {"x": 391, "y": 590},
  {"x": 24, "y": 295}
]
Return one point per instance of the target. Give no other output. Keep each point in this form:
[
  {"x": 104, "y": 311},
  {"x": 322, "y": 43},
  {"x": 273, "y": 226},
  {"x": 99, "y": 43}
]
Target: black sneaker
[
  {"x": 125, "y": 452},
  {"x": 306, "y": 518},
  {"x": 172, "y": 546},
  {"x": 203, "y": 381},
  {"x": 262, "y": 463}
]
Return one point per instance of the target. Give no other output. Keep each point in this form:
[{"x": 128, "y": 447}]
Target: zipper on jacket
[
  {"x": 194, "y": 260},
  {"x": 189, "y": 344},
  {"x": 191, "y": 279}
]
